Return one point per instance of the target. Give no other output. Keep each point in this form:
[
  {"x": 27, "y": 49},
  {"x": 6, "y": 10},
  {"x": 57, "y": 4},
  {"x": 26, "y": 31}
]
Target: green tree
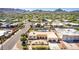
[{"x": 23, "y": 37}]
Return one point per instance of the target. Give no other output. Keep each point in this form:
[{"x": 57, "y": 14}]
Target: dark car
[{"x": 23, "y": 43}]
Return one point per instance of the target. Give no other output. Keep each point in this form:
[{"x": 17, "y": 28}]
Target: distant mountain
[
  {"x": 75, "y": 11},
  {"x": 11, "y": 10},
  {"x": 37, "y": 10},
  {"x": 59, "y": 10}
]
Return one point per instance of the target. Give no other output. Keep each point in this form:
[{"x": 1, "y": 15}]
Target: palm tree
[{"x": 23, "y": 38}]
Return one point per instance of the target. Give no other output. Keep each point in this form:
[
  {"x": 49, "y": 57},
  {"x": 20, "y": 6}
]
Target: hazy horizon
[
  {"x": 51, "y": 9},
  {"x": 47, "y": 9}
]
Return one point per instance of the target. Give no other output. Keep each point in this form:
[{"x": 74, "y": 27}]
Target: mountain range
[{"x": 13, "y": 10}]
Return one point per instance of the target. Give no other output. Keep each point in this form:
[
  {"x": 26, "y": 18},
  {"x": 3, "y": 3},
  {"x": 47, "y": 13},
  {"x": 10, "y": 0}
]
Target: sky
[{"x": 51, "y": 9}]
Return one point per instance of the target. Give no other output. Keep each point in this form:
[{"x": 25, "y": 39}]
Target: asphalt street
[{"x": 9, "y": 43}]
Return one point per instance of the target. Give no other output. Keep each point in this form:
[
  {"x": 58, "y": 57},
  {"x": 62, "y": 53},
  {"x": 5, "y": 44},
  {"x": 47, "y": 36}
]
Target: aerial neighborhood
[{"x": 39, "y": 29}]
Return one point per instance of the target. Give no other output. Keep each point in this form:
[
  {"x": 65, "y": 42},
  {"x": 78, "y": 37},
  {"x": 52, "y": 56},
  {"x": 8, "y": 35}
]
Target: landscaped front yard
[{"x": 40, "y": 47}]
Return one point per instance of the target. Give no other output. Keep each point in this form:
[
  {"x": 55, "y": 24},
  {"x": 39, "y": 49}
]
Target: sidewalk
[
  {"x": 54, "y": 46},
  {"x": 71, "y": 46}
]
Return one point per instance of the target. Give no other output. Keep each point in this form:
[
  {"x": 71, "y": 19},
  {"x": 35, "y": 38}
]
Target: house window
[
  {"x": 45, "y": 37},
  {"x": 38, "y": 38},
  {"x": 34, "y": 37}
]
